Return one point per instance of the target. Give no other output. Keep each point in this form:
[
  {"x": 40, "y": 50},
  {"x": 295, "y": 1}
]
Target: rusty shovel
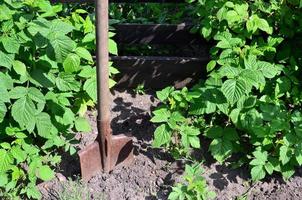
[{"x": 108, "y": 151}]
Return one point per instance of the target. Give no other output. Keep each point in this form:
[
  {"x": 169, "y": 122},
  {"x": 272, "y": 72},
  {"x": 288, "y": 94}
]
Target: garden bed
[{"x": 154, "y": 172}]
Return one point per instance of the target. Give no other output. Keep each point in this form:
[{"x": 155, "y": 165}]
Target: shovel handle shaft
[
  {"x": 102, "y": 61},
  {"x": 102, "y": 65}
]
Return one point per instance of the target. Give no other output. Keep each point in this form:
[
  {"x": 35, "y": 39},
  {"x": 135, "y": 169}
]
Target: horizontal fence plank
[
  {"x": 119, "y": 1},
  {"x": 158, "y": 72},
  {"x": 156, "y": 34}
]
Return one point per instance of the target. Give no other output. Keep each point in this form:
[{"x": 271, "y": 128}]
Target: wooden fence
[{"x": 156, "y": 72}]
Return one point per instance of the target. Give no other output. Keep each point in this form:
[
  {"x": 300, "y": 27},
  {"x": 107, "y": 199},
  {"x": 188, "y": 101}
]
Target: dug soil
[{"x": 154, "y": 171}]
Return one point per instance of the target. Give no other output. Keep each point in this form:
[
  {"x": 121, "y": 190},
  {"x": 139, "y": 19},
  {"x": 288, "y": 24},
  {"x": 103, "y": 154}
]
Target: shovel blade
[
  {"x": 90, "y": 161},
  {"x": 119, "y": 154},
  {"x": 121, "y": 151}
]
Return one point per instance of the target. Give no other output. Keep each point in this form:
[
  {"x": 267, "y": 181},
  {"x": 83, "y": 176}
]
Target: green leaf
[
  {"x": 269, "y": 70},
  {"x": 285, "y": 155},
  {"x": 67, "y": 82},
  {"x": 112, "y": 47},
  {"x": 257, "y": 173},
  {"x": 87, "y": 72},
  {"x": 60, "y": 26},
  {"x": 161, "y": 136},
  {"x": 84, "y": 53},
  {"x": 90, "y": 86},
  {"x": 3, "y": 111},
  {"x": 194, "y": 141},
  {"x": 6, "y": 81},
  {"x": 211, "y": 65},
  {"x": 3, "y": 179},
  {"x": 19, "y": 68},
  {"x": 23, "y": 111},
  {"x": 44, "y": 125},
  {"x": 163, "y": 95},
  {"x": 264, "y": 26},
  {"x": 233, "y": 89},
  {"x": 72, "y": 63},
  {"x": 177, "y": 117},
  {"x": 36, "y": 95},
  {"x": 33, "y": 192},
  {"x": 250, "y": 77},
  {"x": 18, "y": 92},
  {"x": 82, "y": 125},
  {"x": 221, "y": 149},
  {"x": 269, "y": 168},
  {"x": 45, "y": 173},
  {"x": 287, "y": 171},
  {"x": 161, "y": 115},
  {"x": 190, "y": 130},
  {"x": 260, "y": 158},
  {"x": 6, "y": 161},
  {"x": 6, "y": 60},
  {"x": 298, "y": 154},
  {"x": 60, "y": 46},
  {"x": 10, "y": 44},
  {"x": 230, "y": 134},
  {"x": 18, "y": 154},
  {"x": 214, "y": 132}
]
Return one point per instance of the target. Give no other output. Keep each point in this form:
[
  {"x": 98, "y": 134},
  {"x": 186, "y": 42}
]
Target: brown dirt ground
[{"x": 154, "y": 171}]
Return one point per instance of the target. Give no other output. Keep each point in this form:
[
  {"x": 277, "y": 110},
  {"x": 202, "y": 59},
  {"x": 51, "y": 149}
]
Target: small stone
[
  {"x": 159, "y": 181},
  {"x": 61, "y": 177}
]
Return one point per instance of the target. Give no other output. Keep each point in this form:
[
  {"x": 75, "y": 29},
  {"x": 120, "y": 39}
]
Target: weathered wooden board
[
  {"x": 158, "y": 72},
  {"x": 156, "y": 34}
]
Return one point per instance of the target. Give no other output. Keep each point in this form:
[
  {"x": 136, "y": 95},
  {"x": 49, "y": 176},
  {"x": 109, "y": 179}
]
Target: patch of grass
[{"x": 76, "y": 190}]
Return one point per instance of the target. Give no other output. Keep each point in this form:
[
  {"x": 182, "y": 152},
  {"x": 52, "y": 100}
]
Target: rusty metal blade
[
  {"x": 121, "y": 154},
  {"x": 90, "y": 161}
]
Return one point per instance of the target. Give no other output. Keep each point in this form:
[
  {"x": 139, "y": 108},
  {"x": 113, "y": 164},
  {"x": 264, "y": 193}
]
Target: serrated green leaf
[
  {"x": 90, "y": 86},
  {"x": 161, "y": 136},
  {"x": 287, "y": 171},
  {"x": 161, "y": 115},
  {"x": 233, "y": 89},
  {"x": 257, "y": 173},
  {"x": 44, "y": 125},
  {"x": 112, "y": 47},
  {"x": 19, "y": 154},
  {"x": 221, "y": 149},
  {"x": 45, "y": 173},
  {"x": 3, "y": 179},
  {"x": 19, "y": 68},
  {"x": 60, "y": 46},
  {"x": 10, "y": 44},
  {"x": 82, "y": 125},
  {"x": 211, "y": 65},
  {"x": 6, "y": 160},
  {"x": 84, "y": 53},
  {"x": 18, "y": 92},
  {"x": 36, "y": 95},
  {"x": 285, "y": 155},
  {"x": 6, "y": 60},
  {"x": 269, "y": 168},
  {"x": 269, "y": 70},
  {"x": 72, "y": 63},
  {"x": 194, "y": 141},
  {"x": 67, "y": 82},
  {"x": 214, "y": 132},
  {"x": 87, "y": 72},
  {"x": 23, "y": 112},
  {"x": 164, "y": 94},
  {"x": 3, "y": 111},
  {"x": 230, "y": 134},
  {"x": 6, "y": 81}
]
